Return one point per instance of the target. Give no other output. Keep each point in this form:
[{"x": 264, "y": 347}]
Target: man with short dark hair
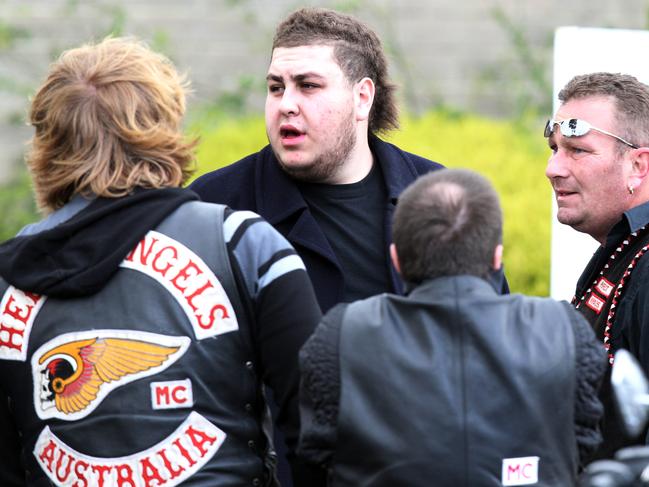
[
  {"x": 599, "y": 170},
  {"x": 452, "y": 384}
]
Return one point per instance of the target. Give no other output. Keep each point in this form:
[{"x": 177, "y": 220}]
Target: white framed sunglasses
[{"x": 576, "y": 127}]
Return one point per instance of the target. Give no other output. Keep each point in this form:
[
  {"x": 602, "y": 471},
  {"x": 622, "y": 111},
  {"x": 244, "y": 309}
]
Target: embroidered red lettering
[
  {"x": 214, "y": 312},
  {"x": 168, "y": 462},
  {"x": 158, "y": 263},
  {"x": 63, "y": 477},
  {"x": 199, "y": 438},
  {"x": 173, "y": 472},
  {"x": 604, "y": 287},
  {"x": 190, "y": 281},
  {"x": 198, "y": 292},
  {"x": 79, "y": 470},
  {"x": 172, "y": 394},
  {"x": 99, "y": 471},
  {"x": 11, "y": 337},
  {"x": 183, "y": 451},
  {"x": 143, "y": 251},
  {"x": 520, "y": 471},
  {"x": 150, "y": 473},
  {"x": 125, "y": 476},
  {"x": 18, "y": 311},
  {"x": 185, "y": 276},
  {"x": 595, "y": 303},
  {"x": 46, "y": 456}
]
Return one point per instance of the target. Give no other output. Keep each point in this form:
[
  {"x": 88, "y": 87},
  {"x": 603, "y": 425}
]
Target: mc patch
[
  {"x": 74, "y": 372},
  {"x": 172, "y": 394},
  {"x": 520, "y": 471}
]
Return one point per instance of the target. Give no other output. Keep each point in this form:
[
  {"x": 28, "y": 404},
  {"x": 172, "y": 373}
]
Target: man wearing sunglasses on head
[{"x": 599, "y": 170}]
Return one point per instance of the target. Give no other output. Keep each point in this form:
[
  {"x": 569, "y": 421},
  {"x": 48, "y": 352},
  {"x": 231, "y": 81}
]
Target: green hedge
[
  {"x": 511, "y": 154},
  {"x": 17, "y": 205}
]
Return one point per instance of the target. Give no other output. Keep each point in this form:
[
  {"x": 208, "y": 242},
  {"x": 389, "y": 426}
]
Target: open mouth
[{"x": 289, "y": 133}]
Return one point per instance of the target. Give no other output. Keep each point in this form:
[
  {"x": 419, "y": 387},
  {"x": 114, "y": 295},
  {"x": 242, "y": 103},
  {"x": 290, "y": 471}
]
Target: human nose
[
  {"x": 289, "y": 103},
  {"x": 557, "y": 166}
]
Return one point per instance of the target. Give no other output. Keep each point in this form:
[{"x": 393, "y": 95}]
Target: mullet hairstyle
[
  {"x": 447, "y": 223},
  {"x": 357, "y": 50},
  {"x": 630, "y": 97},
  {"x": 108, "y": 119}
]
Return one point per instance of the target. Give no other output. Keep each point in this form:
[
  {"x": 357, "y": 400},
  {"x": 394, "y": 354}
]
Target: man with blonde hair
[{"x": 137, "y": 325}]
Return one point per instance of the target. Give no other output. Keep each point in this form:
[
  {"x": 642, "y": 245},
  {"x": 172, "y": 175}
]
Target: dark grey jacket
[
  {"x": 153, "y": 378},
  {"x": 452, "y": 385}
]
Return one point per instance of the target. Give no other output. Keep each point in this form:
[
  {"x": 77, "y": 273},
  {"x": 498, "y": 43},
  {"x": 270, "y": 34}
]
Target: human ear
[
  {"x": 364, "y": 98},
  {"x": 639, "y": 167},
  {"x": 395, "y": 258},
  {"x": 498, "y": 257}
]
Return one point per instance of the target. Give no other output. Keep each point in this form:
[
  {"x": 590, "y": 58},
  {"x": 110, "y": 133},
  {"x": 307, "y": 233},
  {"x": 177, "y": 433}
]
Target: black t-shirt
[{"x": 352, "y": 218}]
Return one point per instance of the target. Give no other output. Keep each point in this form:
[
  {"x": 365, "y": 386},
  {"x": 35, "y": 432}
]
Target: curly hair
[
  {"x": 108, "y": 119},
  {"x": 357, "y": 50}
]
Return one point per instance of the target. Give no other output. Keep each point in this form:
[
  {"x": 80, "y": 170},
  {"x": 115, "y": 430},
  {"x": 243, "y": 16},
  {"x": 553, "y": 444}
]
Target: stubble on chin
[
  {"x": 324, "y": 167},
  {"x": 313, "y": 172}
]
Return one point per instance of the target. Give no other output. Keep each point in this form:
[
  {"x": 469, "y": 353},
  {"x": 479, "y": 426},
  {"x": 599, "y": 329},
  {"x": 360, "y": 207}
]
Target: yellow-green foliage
[
  {"x": 228, "y": 142},
  {"x": 513, "y": 158},
  {"x": 508, "y": 154}
]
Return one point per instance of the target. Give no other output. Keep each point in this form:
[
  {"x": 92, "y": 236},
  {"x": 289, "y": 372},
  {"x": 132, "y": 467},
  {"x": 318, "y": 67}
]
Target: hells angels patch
[
  {"x": 74, "y": 372},
  {"x": 189, "y": 280},
  {"x": 18, "y": 311},
  {"x": 170, "y": 462}
]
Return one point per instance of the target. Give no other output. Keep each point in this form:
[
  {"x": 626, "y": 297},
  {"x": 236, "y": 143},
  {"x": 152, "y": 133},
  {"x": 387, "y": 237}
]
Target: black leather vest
[
  {"x": 600, "y": 291},
  {"x": 455, "y": 385},
  {"x": 148, "y": 382}
]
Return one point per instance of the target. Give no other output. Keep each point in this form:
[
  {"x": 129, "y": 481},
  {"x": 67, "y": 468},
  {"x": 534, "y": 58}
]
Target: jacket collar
[
  {"x": 638, "y": 216},
  {"x": 445, "y": 286},
  {"x": 632, "y": 220},
  {"x": 397, "y": 170},
  {"x": 281, "y": 203},
  {"x": 279, "y": 196}
]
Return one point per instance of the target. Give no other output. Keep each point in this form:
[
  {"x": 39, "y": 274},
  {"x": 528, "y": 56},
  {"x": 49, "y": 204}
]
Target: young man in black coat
[{"x": 326, "y": 181}]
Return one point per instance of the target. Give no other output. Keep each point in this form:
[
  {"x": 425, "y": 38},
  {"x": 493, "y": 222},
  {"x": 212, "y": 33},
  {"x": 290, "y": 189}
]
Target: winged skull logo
[{"x": 71, "y": 378}]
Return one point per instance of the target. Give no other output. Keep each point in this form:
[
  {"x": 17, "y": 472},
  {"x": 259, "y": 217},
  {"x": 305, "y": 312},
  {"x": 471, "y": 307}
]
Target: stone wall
[{"x": 455, "y": 53}]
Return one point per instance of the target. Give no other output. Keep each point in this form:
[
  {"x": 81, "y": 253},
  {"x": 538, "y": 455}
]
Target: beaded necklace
[{"x": 604, "y": 286}]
